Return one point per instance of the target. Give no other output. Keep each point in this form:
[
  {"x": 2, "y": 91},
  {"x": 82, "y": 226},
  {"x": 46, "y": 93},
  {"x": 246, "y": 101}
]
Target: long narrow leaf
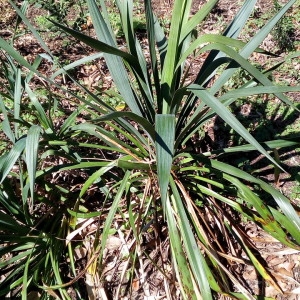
[
  {"x": 114, "y": 63},
  {"x": 17, "y": 101},
  {"x": 180, "y": 259},
  {"x": 233, "y": 31},
  {"x": 165, "y": 138},
  {"x": 197, "y": 19},
  {"x": 197, "y": 262},
  {"x": 10, "y": 159},
  {"x": 5, "y": 123},
  {"x": 151, "y": 25},
  {"x": 140, "y": 120},
  {"x": 281, "y": 200},
  {"x": 230, "y": 119},
  {"x": 43, "y": 118},
  {"x": 180, "y": 11},
  {"x": 96, "y": 176},
  {"x": 112, "y": 211},
  {"x": 252, "y": 45},
  {"x": 32, "y": 145}
]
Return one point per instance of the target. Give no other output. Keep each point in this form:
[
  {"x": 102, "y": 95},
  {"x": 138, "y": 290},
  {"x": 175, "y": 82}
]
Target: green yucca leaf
[
  {"x": 258, "y": 90},
  {"x": 281, "y": 200},
  {"x": 251, "y": 46},
  {"x": 128, "y": 163},
  {"x": 19, "y": 258},
  {"x": 286, "y": 222},
  {"x": 198, "y": 265},
  {"x": 126, "y": 13},
  {"x": 153, "y": 29},
  {"x": 96, "y": 177},
  {"x": 17, "y": 101},
  {"x": 212, "y": 38},
  {"x": 84, "y": 165},
  {"x": 26, "y": 280},
  {"x": 258, "y": 266},
  {"x": 35, "y": 65},
  {"x": 192, "y": 23},
  {"x": 20, "y": 244},
  {"x": 69, "y": 122},
  {"x": 145, "y": 86},
  {"x": 161, "y": 42},
  {"x": 179, "y": 15},
  {"x": 9, "y": 224},
  {"x": 295, "y": 54},
  {"x": 108, "y": 138},
  {"x": 32, "y": 145},
  {"x": 164, "y": 143},
  {"x": 9, "y": 160},
  {"x": 233, "y": 30},
  {"x": 269, "y": 145},
  {"x": 184, "y": 273},
  {"x": 84, "y": 145},
  {"x": 240, "y": 19},
  {"x": 240, "y": 296},
  {"x": 229, "y": 118},
  {"x": 84, "y": 215},
  {"x": 9, "y": 203},
  {"x": 21, "y": 14},
  {"x": 84, "y": 60},
  {"x": 99, "y": 45},
  {"x": 57, "y": 274},
  {"x": 139, "y": 120},
  {"x": 112, "y": 211},
  {"x": 5, "y": 123}
]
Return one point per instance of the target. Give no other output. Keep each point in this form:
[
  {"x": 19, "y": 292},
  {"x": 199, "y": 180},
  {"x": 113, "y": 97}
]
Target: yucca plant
[
  {"x": 34, "y": 222},
  {"x": 168, "y": 112},
  {"x": 32, "y": 247},
  {"x": 200, "y": 195}
]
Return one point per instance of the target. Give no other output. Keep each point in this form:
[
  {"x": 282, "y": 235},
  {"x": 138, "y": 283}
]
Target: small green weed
[
  {"x": 284, "y": 31},
  {"x": 295, "y": 193},
  {"x": 112, "y": 98},
  {"x": 43, "y": 23},
  {"x": 60, "y": 11},
  {"x": 139, "y": 21}
]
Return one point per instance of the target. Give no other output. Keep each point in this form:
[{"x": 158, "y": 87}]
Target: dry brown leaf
[{"x": 283, "y": 271}]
